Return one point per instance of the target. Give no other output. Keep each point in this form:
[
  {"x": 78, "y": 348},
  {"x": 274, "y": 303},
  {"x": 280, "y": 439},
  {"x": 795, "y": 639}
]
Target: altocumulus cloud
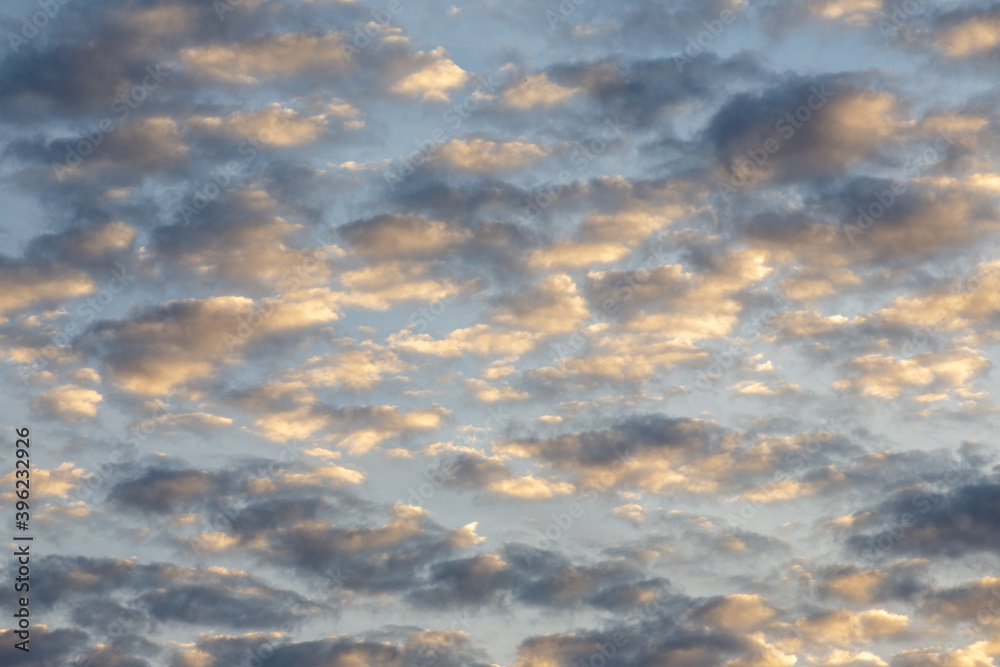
[{"x": 543, "y": 335}]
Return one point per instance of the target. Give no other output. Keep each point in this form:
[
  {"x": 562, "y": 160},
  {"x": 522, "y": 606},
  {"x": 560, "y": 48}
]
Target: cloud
[
  {"x": 436, "y": 76},
  {"x": 49, "y": 647},
  {"x": 804, "y": 128},
  {"x": 144, "y": 354},
  {"x": 26, "y": 286},
  {"x": 89, "y": 246},
  {"x": 480, "y": 339},
  {"x": 164, "y": 592},
  {"x": 530, "y": 488},
  {"x": 480, "y": 155},
  {"x": 922, "y": 521},
  {"x": 537, "y": 90},
  {"x": 69, "y": 402},
  {"x": 487, "y": 393},
  {"x": 284, "y": 413},
  {"x": 169, "y": 346},
  {"x": 147, "y": 145},
  {"x": 553, "y": 307},
  {"x": 860, "y": 13},
  {"x": 402, "y": 237},
  {"x": 268, "y": 57},
  {"x": 361, "y": 379},
  {"x": 162, "y": 490},
  {"x": 737, "y": 612},
  {"x": 56, "y": 482},
  {"x": 393, "y": 648},
  {"x": 255, "y": 249},
  {"x": 274, "y": 125},
  {"x": 886, "y": 377},
  {"x": 977, "y": 34},
  {"x": 845, "y": 628}
]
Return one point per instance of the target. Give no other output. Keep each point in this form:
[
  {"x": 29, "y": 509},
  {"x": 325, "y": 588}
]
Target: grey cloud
[
  {"x": 959, "y": 520},
  {"x": 391, "y": 647},
  {"x": 160, "y": 592},
  {"x": 48, "y": 647}
]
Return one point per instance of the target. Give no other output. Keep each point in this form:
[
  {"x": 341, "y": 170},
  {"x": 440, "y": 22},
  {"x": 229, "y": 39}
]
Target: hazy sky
[{"x": 592, "y": 333}]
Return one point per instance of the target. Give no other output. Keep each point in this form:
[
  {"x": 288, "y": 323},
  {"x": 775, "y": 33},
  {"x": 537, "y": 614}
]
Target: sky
[{"x": 527, "y": 334}]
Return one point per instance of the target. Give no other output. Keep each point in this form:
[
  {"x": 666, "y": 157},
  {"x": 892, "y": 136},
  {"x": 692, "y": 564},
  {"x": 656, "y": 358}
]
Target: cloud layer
[{"x": 521, "y": 334}]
